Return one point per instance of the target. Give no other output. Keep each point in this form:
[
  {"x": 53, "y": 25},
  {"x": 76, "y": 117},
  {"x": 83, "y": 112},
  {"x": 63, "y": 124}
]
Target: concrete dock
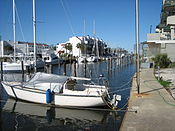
[{"x": 155, "y": 106}]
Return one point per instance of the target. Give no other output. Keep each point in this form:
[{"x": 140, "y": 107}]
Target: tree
[
  {"x": 81, "y": 47},
  {"x": 162, "y": 60},
  {"x": 68, "y": 46}
]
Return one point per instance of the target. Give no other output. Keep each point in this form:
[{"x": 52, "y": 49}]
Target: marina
[
  {"x": 71, "y": 118},
  {"x": 79, "y": 66}
]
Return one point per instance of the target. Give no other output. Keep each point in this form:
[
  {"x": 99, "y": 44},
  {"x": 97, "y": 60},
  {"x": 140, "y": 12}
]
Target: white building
[
  {"x": 24, "y": 48},
  {"x": 82, "y": 46},
  {"x": 163, "y": 41}
]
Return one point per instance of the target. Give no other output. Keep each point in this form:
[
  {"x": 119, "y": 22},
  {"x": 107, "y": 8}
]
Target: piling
[
  {"x": 115, "y": 64},
  {"x": 75, "y": 72},
  {"x": 1, "y": 70},
  {"x": 85, "y": 68},
  {"x": 50, "y": 69},
  {"x": 111, "y": 63},
  {"x": 22, "y": 67},
  {"x": 64, "y": 69}
]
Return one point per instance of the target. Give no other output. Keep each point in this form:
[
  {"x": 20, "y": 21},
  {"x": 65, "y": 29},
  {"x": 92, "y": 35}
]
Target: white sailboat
[
  {"x": 81, "y": 59},
  {"x": 60, "y": 91},
  {"x": 49, "y": 57},
  {"x": 14, "y": 65},
  {"x": 92, "y": 59}
]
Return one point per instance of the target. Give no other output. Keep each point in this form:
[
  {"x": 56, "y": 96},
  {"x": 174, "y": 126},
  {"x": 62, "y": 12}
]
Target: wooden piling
[
  {"x": 64, "y": 69},
  {"x": 75, "y": 72},
  {"x": 22, "y": 67},
  {"x": 1, "y": 70},
  {"x": 85, "y": 68}
]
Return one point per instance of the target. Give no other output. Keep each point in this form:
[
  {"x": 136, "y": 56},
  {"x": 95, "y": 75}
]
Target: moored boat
[{"x": 60, "y": 91}]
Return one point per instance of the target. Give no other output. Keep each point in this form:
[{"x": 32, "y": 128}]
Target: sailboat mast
[
  {"x": 84, "y": 38},
  {"x": 34, "y": 33},
  {"x": 14, "y": 30},
  {"x": 96, "y": 42}
]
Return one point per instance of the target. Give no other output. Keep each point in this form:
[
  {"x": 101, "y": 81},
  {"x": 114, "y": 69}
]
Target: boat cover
[{"x": 46, "y": 81}]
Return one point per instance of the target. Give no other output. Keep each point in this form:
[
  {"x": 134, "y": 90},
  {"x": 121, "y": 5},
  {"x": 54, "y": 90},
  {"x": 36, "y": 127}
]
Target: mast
[
  {"x": 34, "y": 33},
  {"x": 96, "y": 42},
  {"x": 14, "y": 31},
  {"x": 137, "y": 48},
  {"x": 84, "y": 27},
  {"x": 84, "y": 38}
]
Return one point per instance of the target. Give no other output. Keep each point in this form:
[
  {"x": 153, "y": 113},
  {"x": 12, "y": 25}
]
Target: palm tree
[
  {"x": 68, "y": 46},
  {"x": 81, "y": 47}
]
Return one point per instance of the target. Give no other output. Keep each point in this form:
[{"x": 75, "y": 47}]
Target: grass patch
[{"x": 165, "y": 84}]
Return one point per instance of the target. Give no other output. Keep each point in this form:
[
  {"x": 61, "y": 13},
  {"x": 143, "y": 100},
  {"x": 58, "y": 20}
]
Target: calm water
[{"x": 17, "y": 115}]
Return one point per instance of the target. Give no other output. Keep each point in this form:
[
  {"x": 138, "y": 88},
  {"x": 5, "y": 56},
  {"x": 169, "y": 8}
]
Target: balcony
[{"x": 158, "y": 36}]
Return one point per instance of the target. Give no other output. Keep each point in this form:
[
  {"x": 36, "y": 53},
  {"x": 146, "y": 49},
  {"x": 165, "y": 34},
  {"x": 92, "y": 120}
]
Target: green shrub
[
  {"x": 161, "y": 60},
  {"x": 164, "y": 83},
  {"x": 172, "y": 65}
]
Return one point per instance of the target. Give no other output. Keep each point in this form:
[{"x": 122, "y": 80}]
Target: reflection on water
[
  {"x": 27, "y": 116},
  {"x": 17, "y": 115}
]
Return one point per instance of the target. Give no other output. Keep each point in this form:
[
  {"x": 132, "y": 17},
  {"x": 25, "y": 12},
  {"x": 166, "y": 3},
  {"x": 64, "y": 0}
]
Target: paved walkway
[{"x": 155, "y": 106}]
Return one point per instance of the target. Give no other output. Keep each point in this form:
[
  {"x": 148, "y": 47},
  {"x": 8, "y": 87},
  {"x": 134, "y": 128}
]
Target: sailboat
[
  {"x": 93, "y": 58},
  {"x": 56, "y": 90},
  {"x": 15, "y": 65}
]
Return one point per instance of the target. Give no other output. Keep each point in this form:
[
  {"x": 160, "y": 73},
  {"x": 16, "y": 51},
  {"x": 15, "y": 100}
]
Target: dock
[{"x": 155, "y": 107}]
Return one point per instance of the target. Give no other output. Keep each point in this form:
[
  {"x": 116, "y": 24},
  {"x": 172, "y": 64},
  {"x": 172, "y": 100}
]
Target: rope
[{"x": 119, "y": 90}]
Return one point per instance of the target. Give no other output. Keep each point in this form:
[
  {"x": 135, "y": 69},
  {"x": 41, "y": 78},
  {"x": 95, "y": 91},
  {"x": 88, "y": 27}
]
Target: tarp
[{"x": 45, "y": 81}]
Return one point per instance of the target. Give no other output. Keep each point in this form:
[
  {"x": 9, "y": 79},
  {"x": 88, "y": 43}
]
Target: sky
[{"x": 58, "y": 20}]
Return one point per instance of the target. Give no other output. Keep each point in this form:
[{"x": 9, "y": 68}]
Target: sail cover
[
  {"x": 45, "y": 81},
  {"x": 40, "y": 77}
]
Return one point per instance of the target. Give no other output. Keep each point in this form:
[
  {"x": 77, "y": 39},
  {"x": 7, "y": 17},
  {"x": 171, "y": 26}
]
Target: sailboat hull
[
  {"x": 66, "y": 100},
  {"x": 7, "y": 66}
]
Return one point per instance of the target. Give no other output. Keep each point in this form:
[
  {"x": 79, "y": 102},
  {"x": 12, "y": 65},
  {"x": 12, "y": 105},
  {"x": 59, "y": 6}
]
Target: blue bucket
[{"x": 48, "y": 96}]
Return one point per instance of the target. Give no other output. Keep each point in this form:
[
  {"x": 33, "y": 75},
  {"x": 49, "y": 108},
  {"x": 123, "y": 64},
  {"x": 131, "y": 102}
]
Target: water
[{"x": 18, "y": 115}]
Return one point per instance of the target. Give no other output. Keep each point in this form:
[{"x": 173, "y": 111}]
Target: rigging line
[
  {"x": 68, "y": 9},
  {"x": 20, "y": 26},
  {"x": 67, "y": 16},
  {"x": 122, "y": 85},
  {"x": 119, "y": 90}
]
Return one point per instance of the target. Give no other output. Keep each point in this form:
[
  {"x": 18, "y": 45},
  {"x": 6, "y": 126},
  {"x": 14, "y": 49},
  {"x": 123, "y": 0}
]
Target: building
[
  {"x": 22, "y": 48},
  {"x": 82, "y": 45},
  {"x": 163, "y": 40}
]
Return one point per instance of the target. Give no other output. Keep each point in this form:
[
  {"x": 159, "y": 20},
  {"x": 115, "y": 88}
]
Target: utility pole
[{"x": 137, "y": 47}]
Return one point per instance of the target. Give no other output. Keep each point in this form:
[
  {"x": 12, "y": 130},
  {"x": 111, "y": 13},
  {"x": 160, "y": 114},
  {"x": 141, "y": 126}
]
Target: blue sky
[{"x": 60, "y": 19}]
